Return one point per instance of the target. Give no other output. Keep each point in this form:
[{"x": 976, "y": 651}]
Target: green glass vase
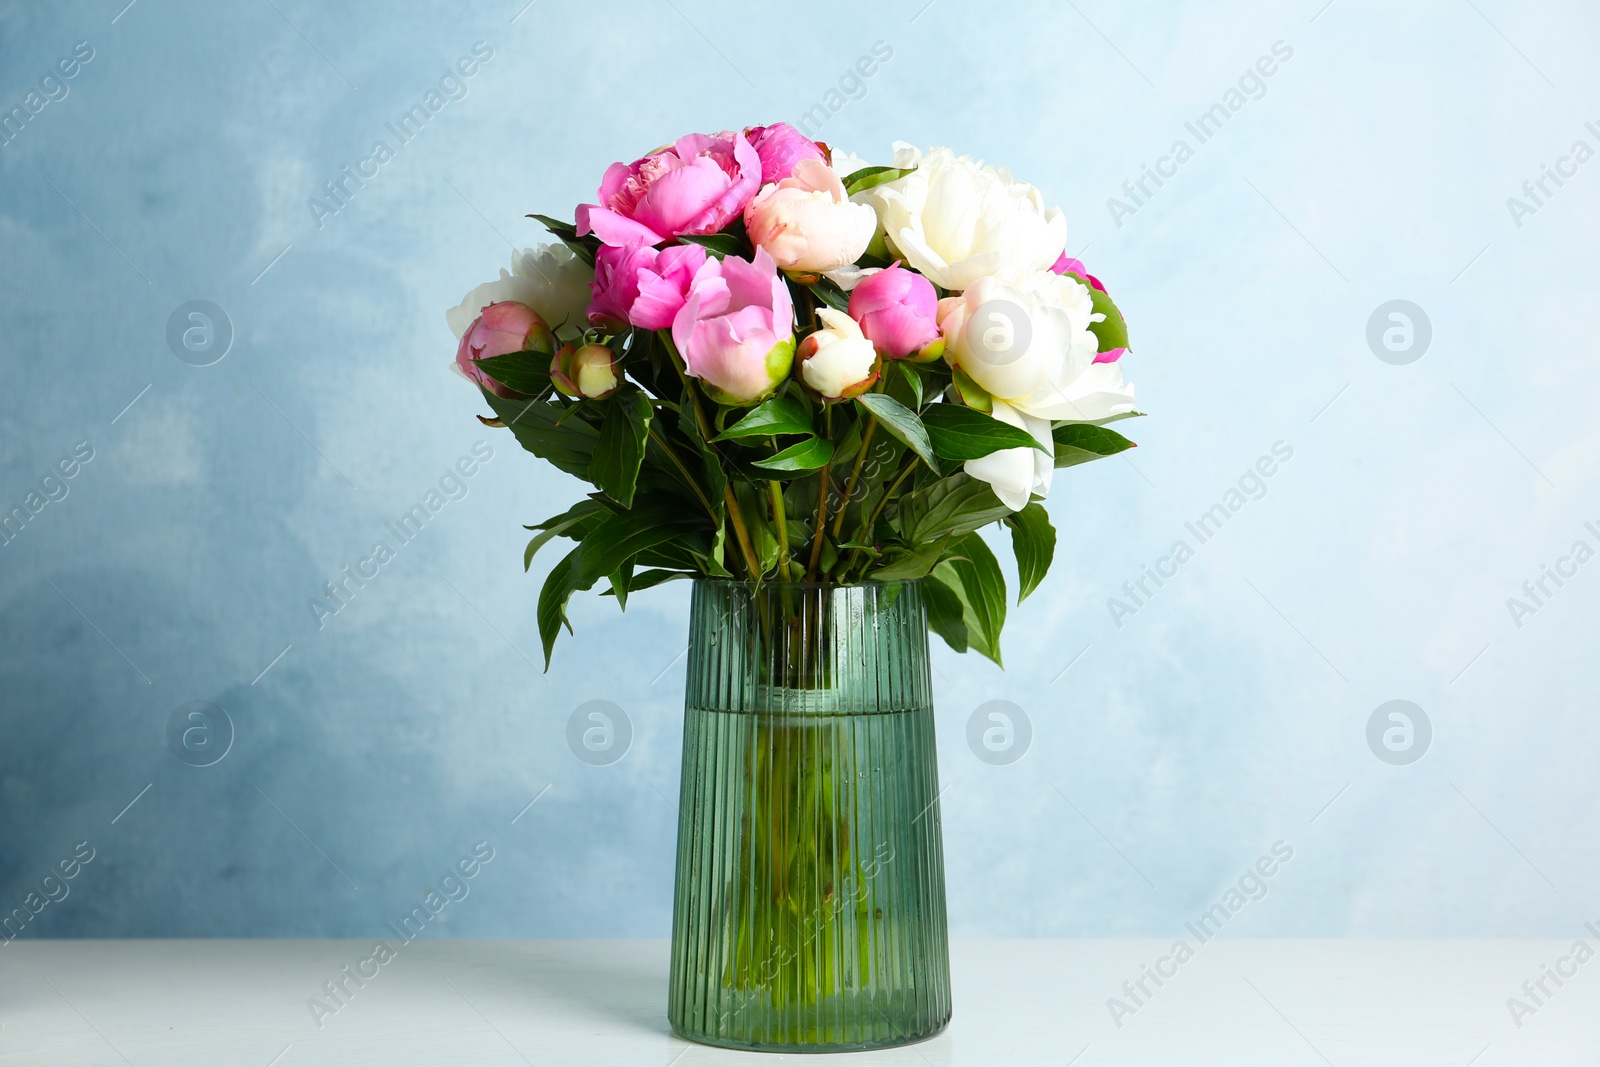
[{"x": 809, "y": 909}]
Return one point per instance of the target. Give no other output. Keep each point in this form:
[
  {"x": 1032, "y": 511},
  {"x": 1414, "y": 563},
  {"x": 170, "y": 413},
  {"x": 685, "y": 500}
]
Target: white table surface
[{"x": 1238, "y": 1002}]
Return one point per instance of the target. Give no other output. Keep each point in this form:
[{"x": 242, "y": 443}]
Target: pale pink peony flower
[{"x": 807, "y": 223}]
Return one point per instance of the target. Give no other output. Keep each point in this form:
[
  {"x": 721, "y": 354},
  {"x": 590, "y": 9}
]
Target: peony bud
[
  {"x": 502, "y": 328},
  {"x": 588, "y": 371},
  {"x": 898, "y": 312},
  {"x": 838, "y": 361}
]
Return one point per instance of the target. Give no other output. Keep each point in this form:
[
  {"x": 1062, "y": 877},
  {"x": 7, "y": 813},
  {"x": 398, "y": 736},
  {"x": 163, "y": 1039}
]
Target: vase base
[{"x": 897, "y": 1041}]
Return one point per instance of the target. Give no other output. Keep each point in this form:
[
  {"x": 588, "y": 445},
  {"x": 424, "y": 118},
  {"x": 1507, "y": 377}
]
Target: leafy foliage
[
  {"x": 1033, "y": 540},
  {"x": 1080, "y": 442},
  {"x": 966, "y": 433},
  {"x": 973, "y": 576},
  {"x": 868, "y": 177},
  {"x": 788, "y": 487},
  {"x": 620, "y": 448}
]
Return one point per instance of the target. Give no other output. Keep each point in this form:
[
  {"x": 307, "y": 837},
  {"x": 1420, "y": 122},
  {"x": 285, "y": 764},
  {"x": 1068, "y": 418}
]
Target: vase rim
[{"x": 870, "y": 583}]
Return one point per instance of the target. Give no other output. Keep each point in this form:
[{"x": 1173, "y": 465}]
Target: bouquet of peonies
[{"x": 775, "y": 363}]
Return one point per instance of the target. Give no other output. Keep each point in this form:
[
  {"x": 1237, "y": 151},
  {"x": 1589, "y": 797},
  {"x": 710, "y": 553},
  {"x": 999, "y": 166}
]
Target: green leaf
[
  {"x": 553, "y": 597},
  {"x": 962, "y": 433},
  {"x": 1109, "y": 419},
  {"x": 616, "y": 540},
  {"x": 911, "y": 563},
  {"x": 718, "y": 244},
  {"x": 781, "y": 414},
  {"x": 808, "y": 455},
  {"x": 556, "y": 226},
  {"x": 620, "y": 584},
  {"x": 1113, "y": 329},
  {"x": 680, "y": 554},
  {"x": 624, "y": 534},
  {"x": 1033, "y": 540},
  {"x": 972, "y": 394},
  {"x": 649, "y": 579},
  {"x": 583, "y": 247},
  {"x": 567, "y": 445},
  {"x": 957, "y": 505},
  {"x": 620, "y": 448},
  {"x": 981, "y": 588},
  {"x": 525, "y": 372},
  {"x": 831, "y": 295},
  {"x": 912, "y": 379},
  {"x": 572, "y": 519},
  {"x": 1080, "y": 442},
  {"x": 946, "y": 612},
  {"x": 867, "y": 177},
  {"x": 763, "y": 539},
  {"x": 713, "y": 480},
  {"x": 901, "y": 422},
  {"x": 846, "y": 442}
]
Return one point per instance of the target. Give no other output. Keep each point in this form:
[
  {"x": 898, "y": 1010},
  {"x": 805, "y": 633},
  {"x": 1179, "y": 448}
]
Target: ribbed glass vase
[{"x": 809, "y": 910}]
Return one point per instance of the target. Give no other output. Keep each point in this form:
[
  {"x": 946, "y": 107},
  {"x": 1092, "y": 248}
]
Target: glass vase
[{"x": 809, "y": 908}]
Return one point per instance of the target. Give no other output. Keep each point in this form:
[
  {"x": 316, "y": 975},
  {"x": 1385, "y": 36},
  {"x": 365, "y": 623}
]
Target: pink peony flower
[
  {"x": 642, "y": 286},
  {"x": 736, "y": 329},
  {"x": 1067, "y": 265},
  {"x": 697, "y": 185},
  {"x": 899, "y": 313},
  {"x": 500, "y": 329},
  {"x": 807, "y": 223},
  {"x": 780, "y": 147}
]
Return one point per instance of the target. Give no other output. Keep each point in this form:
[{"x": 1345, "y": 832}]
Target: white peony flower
[
  {"x": 1028, "y": 345},
  {"x": 846, "y": 163},
  {"x": 838, "y": 360},
  {"x": 847, "y": 278},
  {"x": 547, "y": 278},
  {"x": 957, "y": 220}
]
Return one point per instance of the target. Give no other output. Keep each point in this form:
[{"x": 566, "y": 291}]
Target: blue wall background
[{"x": 1227, "y": 713}]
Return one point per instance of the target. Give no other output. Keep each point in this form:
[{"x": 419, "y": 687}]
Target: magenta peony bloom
[
  {"x": 502, "y": 328},
  {"x": 697, "y": 185},
  {"x": 642, "y": 286},
  {"x": 1067, "y": 265},
  {"x": 736, "y": 330},
  {"x": 780, "y": 147},
  {"x": 898, "y": 311}
]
